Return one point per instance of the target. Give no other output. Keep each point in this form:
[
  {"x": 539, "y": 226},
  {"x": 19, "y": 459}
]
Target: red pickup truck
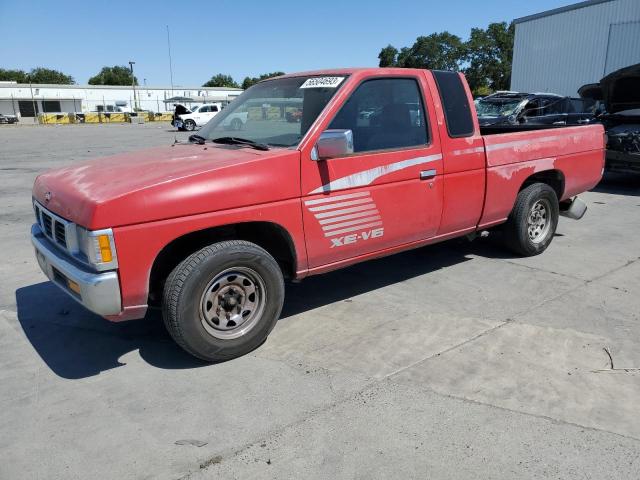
[{"x": 382, "y": 160}]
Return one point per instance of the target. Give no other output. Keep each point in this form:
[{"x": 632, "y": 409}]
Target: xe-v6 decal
[
  {"x": 367, "y": 177},
  {"x": 346, "y": 219}
]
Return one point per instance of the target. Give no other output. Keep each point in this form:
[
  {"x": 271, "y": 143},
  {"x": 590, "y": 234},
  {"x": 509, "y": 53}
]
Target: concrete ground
[{"x": 453, "y": 361}]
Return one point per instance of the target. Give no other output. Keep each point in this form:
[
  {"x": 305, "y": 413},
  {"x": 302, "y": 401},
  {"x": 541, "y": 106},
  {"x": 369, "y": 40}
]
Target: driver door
[
  {"x": 388, "y": 192},
  {"x": 201, "y": 115}
]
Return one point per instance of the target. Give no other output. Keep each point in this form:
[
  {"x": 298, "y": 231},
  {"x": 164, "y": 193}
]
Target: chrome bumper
[{"x": 98, "y": 292}]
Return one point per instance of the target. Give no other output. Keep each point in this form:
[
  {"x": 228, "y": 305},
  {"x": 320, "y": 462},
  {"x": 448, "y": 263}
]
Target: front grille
[
  {"x": 53, "y": 226},
  {"x": 46, "y": 223},
  {"x": 61, "y": 234}
]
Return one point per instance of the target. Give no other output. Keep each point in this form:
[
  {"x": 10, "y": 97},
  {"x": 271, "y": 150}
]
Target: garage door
[
  {"x": 624, "y": 46},
  {"x": 26, "y": 108}
]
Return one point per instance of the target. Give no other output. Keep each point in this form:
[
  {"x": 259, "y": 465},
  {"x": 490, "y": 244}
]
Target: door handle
[{"x": 426, "y": 174}]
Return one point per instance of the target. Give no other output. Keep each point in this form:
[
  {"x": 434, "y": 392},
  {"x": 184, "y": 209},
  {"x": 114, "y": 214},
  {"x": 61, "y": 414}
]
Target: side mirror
[{"x": 333, "y": 143}]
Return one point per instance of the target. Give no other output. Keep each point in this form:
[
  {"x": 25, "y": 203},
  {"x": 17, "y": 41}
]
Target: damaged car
[
  {"x": 508, "y": 109},
  {"x": 618, "y": 98}
]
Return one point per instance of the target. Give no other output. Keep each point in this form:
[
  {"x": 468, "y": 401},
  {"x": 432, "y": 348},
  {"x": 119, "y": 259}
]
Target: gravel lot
[{"x": 454, "y": 361}]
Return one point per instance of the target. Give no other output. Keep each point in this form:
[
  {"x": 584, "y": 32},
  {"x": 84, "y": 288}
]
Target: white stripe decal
[
  {"x": 341, "y": 204},
  {"x": 367, "y": 177},
  {"x": 352, "y": 229},
  {"x": 468, "y": 150},
  {"x": 518, "y": 143},
  {"x": 348, "y": 217},
  {"x": 350, "y": 223},
  {"x": 336, "y": 198},
  {"x": 335, "y": 213}
]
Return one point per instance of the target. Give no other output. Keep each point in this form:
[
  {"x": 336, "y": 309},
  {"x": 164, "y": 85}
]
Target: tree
[
  {"x": 36, "y": 75},
  {"x": 47, "y": 75},
  {"x": 438, "y": 51},
  {"x": 249, "y": 81},
  {"x": 19, "y": 76},
  {"x": 116, "y": 75},
  {"x": 489, "y": 56},
  {"x": 221, "y": 80},
  {"x": 485, "y": 58},
  {"x": 388, "y": 56}
]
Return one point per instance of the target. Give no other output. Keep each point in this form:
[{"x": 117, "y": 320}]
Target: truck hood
[{"x": 167, "y": 182}]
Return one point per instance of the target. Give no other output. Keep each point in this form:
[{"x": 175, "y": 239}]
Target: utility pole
[
  {"x": 35, "y": 110},
  {"x": 170, "y": 63},
  {"x": 133, "y": 85}
]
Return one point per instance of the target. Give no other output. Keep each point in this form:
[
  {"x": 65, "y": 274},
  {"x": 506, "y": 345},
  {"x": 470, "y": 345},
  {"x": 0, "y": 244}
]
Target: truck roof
[{"x": 350, "y": 71}]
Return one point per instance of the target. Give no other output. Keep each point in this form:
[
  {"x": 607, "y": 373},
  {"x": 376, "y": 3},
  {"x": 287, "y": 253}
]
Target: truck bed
[{"x": 574, "y": 155}]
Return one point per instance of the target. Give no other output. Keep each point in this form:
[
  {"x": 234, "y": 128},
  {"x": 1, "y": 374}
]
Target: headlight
[{"x": 98, "y": 247}]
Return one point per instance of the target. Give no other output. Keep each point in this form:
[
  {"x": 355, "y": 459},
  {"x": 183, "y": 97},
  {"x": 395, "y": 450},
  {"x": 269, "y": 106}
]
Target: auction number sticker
[{"x": 322, "y": 82}]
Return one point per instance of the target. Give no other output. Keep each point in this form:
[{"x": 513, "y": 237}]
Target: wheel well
[
  {"x": 553, "y": 178},
  {"x": 270, "y": 236}
]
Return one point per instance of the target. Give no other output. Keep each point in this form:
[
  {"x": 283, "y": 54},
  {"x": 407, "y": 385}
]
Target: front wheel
[
  {"x": 189, "y": 125},
  {"x": 223, "y": 301},
  {"x": 533, "y": 220}
]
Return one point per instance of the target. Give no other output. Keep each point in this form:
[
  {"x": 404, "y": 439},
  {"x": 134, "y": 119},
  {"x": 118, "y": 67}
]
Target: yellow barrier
[
  {"x": 100, "y": 117},
  {"x": 163, "y": 117},
  {"x": 92, "y": 117},
  {"x": 114, "y": 118},
  {"x": 53, "y": 118}
]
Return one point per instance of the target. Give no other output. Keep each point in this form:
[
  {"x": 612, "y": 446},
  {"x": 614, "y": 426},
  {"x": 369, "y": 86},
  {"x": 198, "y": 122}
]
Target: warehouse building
[
  {"x": 560, "y": 50},
  {"x": 25, "y": 100}
]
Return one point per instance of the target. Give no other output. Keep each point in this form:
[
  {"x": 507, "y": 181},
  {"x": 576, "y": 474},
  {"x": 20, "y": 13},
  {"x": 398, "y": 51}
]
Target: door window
[
  {"x": 534, "y": 108},
  {"x": 204, "y": 109},
  {"x": 555, "y": 106},
  {"x": 384, "y": 114}
]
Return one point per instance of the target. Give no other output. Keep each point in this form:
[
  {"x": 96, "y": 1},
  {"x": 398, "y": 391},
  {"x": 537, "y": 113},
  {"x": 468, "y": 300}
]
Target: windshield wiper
[
  {"x": 241, "y": 141},
  {"x": 195, "y": 138}
]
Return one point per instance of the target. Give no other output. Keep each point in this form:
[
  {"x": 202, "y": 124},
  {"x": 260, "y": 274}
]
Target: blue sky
[{"x": 239, "y": 38}]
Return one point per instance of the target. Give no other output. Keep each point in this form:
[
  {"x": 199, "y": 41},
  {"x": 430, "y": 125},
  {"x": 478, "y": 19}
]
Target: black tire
[
  {"x": 184, "y": 299},
  {"x": 523, "y": 232},
  {"x": 189, "y": 125}
]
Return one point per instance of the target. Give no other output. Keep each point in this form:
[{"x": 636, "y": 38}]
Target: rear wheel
[
  {"x": 189, "y": 125},
  {"x": 222, "y": 301},
  {"x": 236, "y": 124},
  {"x": 533, "y": 220}
]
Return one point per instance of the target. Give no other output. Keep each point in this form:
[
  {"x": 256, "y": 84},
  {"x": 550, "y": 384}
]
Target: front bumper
[{"x": 98, "y": 292}]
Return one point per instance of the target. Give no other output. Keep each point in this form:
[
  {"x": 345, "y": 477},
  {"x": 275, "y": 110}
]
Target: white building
[
  {"x": 24, "y": 99},
  {"x": 560, "y": 50}
]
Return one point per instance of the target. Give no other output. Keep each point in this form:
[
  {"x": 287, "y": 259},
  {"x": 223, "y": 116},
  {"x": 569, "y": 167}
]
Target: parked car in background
[
  {"x": 618, "y": 97},
  {"x": 294, "y": 116},
  {"x": 8, "y": 118},
  {"x": 515, "y": 108},
  {"x": 210, "y": 233},
  {"x": 198, "y": 116},
  {"x": 235, "y": 121}
]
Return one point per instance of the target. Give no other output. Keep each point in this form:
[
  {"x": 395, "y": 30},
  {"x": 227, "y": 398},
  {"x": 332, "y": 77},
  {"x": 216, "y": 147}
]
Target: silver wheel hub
[
  {"x": 232, "y": 303},
  {"x": 538, "y": 222}
]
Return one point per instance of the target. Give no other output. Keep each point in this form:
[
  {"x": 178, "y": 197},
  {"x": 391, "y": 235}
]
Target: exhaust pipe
[{"x": 574, "y": 208}]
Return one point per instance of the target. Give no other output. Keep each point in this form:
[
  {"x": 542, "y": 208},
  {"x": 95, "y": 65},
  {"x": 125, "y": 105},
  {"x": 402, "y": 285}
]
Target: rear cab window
[{"x": 457, "y": 112}]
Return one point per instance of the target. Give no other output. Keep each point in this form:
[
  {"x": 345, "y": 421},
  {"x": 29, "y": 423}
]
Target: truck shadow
[
  {"x": 75, "y": 343},
  {"x": 619, "y": 184}
]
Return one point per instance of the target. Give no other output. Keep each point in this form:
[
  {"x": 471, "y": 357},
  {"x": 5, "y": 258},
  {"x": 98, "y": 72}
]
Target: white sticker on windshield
[{"x": 322, "y": 82}]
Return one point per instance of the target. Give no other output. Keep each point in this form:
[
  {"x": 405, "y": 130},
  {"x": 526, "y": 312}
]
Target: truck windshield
[
  {"x": 275, "y": 112},
  {"x": 497, "y": 107}
]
